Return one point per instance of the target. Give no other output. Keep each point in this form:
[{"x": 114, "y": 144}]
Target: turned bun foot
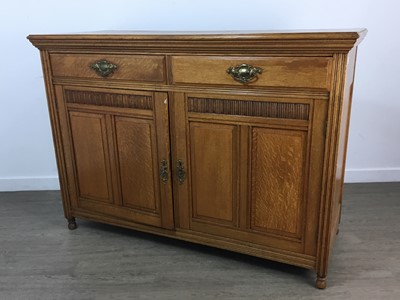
[
  {"x": 72, "y": 223},
  {"x": 320, "y": 282}
]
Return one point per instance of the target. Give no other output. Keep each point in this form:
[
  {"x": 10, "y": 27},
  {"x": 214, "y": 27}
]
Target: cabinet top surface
[
  {"x": 328, "y": 40},
  {"x": 255, "y": 34}
]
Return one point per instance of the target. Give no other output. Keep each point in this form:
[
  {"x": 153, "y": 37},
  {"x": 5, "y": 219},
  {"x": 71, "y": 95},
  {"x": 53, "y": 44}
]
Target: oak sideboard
[{"x": 235, "y": 140}]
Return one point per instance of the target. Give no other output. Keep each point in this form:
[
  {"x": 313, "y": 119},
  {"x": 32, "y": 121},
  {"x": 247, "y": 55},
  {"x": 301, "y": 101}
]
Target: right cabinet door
[{"x": 249, "y": 168}]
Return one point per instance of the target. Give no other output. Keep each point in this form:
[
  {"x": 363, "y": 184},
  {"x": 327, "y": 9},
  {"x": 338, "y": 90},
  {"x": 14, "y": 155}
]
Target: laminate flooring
[{"x": 41, "y": 259}]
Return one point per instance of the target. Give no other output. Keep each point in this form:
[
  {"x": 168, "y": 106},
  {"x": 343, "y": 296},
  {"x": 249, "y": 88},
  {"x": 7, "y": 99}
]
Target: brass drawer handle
[
  {"x": 244, "y": 73},
  {"x": 103, "y": 67},
  {"x": 164, "y": 171},
  {"x": 181, "y": 171}
]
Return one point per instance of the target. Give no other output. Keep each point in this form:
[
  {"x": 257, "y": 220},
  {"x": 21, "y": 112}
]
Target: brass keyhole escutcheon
[
  {"x": 164, "y": 171},
  {"x": 181, "y": 171}
]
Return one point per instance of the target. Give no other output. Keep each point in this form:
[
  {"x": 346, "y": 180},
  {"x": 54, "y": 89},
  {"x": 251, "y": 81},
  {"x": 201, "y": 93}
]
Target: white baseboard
[
  {"x": 11, "y": 184},
  {"x": 51, "y": 182},
  {"x": 372, "y": 175}
]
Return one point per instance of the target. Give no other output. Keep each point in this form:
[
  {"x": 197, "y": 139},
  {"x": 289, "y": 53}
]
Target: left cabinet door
[{"x": 117, "y": 154}]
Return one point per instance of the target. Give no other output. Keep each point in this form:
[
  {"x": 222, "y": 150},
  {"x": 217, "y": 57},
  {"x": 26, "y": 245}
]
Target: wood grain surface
[
  {"x": 92, "y": 163},
  {"x": 138, "y": 168},
  {"x": 278, "y": 161},
  {"x": 277, "y": 71},
  {"x": 133, "y": 68},
  {"x": 214, "y": 171}
]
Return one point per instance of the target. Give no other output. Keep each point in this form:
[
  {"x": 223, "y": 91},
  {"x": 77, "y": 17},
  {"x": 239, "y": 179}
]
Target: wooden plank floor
[{"x": 41, "y": 259}]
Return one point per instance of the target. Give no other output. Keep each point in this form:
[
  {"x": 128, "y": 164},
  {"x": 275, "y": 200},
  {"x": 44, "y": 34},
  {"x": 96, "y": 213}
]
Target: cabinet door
[
  {"x": 252, "y": 167},
  {"x": 116, "y": 144}
]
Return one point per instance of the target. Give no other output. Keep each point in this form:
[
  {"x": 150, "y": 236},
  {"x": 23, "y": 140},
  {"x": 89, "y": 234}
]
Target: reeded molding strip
[
  {"x": 279, "y": 110},
  {"x": 107, "y": 99}
]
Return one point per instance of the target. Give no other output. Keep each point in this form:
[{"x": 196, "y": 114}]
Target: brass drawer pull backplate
[
  {"x": 103, "y": 67},
  {"x": 244, "y": 73}
]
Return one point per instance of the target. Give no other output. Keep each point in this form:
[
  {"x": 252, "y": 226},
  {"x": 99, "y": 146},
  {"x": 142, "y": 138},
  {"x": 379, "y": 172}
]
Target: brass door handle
[
  {"x": 181, "y": 171},
  {"x": 103, "y": 67},
  {"x": 164, "y": 171},
  {"x": 244, "y": 73}
]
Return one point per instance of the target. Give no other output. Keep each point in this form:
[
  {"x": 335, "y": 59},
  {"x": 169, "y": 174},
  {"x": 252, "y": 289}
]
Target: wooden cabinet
[{"x": 236, "y": 141}]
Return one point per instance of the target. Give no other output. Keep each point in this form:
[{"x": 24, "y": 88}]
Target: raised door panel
[
  {"x": 277, "y": 180},
  {"x": 214, "y": 172},
  {"x": 88, "y": 133},
  {"x": 136, "y": 147}
]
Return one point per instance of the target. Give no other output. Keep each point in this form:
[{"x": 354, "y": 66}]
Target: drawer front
[
  {"x": 140, "y": 68},
  {"x": 293, "y": 72}
]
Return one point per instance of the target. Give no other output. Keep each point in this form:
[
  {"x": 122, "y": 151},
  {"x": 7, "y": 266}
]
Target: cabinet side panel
[
  {"x": 337, "y": 134},
  {"x": 342, "y": 144},
  {"x": 52, "y": 98},
  {"x": 136, "y": 162},
  {"x": 213, "y": 171},
  {"x": 88, "y": 134},
  {"x": 278, "y": 158}
]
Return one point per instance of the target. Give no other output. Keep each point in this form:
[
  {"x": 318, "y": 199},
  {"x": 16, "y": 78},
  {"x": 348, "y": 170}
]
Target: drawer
[
  {"x": 143, "y": 68},
  {"x": 293, "y": 72}
]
